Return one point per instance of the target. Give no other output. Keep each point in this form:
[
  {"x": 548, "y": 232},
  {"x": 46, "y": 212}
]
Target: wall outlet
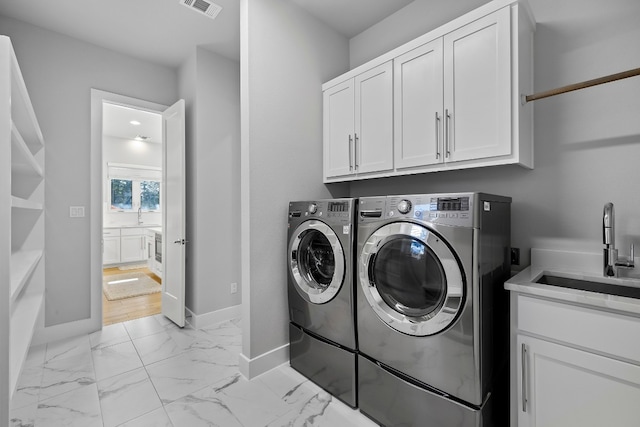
[
  {"x": 515, "y": 256},
  {"x": 234, "y": 288}
]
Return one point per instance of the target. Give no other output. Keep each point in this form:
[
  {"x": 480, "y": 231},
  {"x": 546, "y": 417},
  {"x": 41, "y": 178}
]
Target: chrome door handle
[
  {"x": 183, "y": 241},
  {"x": 437, "y": 136},
  {"x": 355, "y": 150},
  {"x": 447, "y": 135},
  {"x": 523, "y": 355},
  {"x": 350, "y": 157}
]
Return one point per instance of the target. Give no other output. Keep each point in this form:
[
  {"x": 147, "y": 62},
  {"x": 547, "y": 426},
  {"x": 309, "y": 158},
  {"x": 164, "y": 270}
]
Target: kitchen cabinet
[
  {"x": 358, "y": 124},
  {"x": 133, "y": 245},
  {"x": 111, "y": 246},
  {"x": 22, "y": 225},
  {"x": 456, "y": 98},
  {"x": 576, "y": 366}
]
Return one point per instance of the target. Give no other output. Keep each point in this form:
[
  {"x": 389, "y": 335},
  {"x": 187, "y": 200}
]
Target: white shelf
[
  {"x": 22, "y": 112},
  {"x": 23, "y": 321},
  {"x": 22, "y": 276},
  {"x": 22, "y": 265},
  {"x": 20, "y": 203},
  {"x": 22, "y": 159}
]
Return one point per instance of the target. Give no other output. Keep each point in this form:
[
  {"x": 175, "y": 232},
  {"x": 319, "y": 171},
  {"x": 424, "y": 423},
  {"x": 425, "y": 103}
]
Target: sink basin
[{"x": 587, "y": 285}]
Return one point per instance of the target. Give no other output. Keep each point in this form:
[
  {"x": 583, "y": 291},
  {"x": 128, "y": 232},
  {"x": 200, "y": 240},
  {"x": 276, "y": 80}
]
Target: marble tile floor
[{"x": 148, "y": 372}]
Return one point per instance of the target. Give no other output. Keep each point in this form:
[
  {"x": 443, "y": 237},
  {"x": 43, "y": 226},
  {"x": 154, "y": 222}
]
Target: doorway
[
  {"x": 132, "y": 212},
  {"x": 170, "y": 178}
]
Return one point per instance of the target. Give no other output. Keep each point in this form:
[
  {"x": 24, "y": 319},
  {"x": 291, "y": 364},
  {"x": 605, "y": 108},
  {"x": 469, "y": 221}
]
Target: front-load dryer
[
  {"x": 432, "y": 319},
  {"x": 322, "y": 330}
]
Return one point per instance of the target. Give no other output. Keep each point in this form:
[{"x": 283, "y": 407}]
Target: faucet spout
[
  {"x": 611, "y": 260},
  {"x": 139, "y": 215}
]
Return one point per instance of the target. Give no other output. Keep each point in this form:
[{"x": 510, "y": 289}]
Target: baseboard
[
  {"x": 251, "y": 368},
  {"x": 198, "y": 321}
]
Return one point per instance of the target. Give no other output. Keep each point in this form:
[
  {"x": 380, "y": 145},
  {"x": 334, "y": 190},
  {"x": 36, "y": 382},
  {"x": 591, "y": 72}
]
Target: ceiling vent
[{"x": 203, "y": 6}]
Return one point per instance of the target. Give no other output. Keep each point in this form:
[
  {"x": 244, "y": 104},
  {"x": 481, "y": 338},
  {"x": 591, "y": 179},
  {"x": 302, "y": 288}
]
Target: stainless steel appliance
[
  {"x": 158, "y": 245},
  {"x": 432, "y": 313},
  {"x": 321, "y": 294}
]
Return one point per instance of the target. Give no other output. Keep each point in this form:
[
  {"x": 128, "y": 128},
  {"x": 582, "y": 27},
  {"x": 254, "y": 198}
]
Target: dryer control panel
[{"x": 454, "y": 209}]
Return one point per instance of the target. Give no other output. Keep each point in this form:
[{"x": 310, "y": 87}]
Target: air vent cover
[{"x": 203, "y": 6}]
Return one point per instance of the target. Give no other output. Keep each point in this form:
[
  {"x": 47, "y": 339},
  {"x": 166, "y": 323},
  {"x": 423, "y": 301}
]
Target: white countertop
[{"x": 576, "y": 265}]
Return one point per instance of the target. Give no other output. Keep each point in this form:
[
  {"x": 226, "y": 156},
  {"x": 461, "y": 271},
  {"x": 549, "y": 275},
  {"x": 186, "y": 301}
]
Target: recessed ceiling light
[{"x": 135, "y": 122}]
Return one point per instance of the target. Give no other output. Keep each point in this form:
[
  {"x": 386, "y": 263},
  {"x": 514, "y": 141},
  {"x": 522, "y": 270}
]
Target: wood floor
[{"x": 130, "y": 308}]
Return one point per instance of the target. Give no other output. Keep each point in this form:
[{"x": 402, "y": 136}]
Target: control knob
[
  {"x": 404, "y": 206},
  {"x": 313, "y": 208}
]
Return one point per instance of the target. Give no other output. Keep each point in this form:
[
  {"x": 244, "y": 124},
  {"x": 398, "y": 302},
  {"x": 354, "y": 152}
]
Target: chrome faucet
[
  {"x": 139, "y": 215},
  {"x": 611, "y": 261}
]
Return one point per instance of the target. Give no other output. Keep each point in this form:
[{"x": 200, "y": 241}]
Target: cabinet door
[
  {"x": 374, "y": 119},
  {"x": 338, "y": 127},
  {"x": 418, "y": 97},
  {"x": 132, "y": 248},
  {"x": 477, "y": 76},
  {"x": 560, "y": 386},
  {"x": 111, "y": 250}
]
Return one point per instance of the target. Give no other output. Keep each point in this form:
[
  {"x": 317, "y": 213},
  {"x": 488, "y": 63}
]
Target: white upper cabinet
[
  {"x": 358, "y": 124},
  {"x": 418, "y": 89},
  {"x": 477, "y": 69},
  {"x": 454, "y": 101}
]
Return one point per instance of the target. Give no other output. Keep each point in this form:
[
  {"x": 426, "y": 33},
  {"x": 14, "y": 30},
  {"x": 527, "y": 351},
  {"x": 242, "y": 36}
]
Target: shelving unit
[{"x": 21, "y": 224}]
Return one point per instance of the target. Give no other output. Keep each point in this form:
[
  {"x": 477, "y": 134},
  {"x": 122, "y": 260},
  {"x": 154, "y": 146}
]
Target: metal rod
[{"x": 583, "y": 85}]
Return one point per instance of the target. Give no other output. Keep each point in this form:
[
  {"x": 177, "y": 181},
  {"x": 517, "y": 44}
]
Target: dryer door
[
  {"x": 316, "y": 261},
  {"x": 411, "y": 278}
]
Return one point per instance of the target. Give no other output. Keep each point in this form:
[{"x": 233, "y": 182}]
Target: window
[{"x": 132, "y": 188}]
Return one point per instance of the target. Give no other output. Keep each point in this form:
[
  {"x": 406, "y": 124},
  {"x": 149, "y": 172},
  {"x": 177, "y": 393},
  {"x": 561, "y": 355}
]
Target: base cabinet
[
  {"x": 563, "y": 386},
  {"x": 573, "y": 365},
  {"x": 111, "y": 254}
]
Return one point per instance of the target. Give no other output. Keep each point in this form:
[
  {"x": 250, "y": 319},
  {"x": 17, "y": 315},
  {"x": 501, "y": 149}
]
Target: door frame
[{"x": 95, "y": 188}]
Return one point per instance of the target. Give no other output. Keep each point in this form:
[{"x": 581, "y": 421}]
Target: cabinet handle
[
  {"x": 437, "y": 136},
  {"x": 355, "y": 151},
  {"x": 350, "y": 150},
  {"x": 523, "y": 354},
  {"x": 447, "y": 132}
]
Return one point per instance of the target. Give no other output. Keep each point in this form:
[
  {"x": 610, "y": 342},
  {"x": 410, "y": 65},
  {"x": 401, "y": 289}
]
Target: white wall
[
  {"x": 413, "y": 20},
  {"x": 587, "y": 143},
  {"x": 210, "y": 84},
  {"x": 59, "y": 72},
  {"x": 286, "y": 55},
  {"x": 128, "y": 151}
]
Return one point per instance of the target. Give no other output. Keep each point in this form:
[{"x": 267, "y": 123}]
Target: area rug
[{"x": 127, "y": 285}]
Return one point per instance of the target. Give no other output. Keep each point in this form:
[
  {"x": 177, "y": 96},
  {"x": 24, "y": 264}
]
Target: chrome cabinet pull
[
  {"x": 523, "y": 354},
  {"x": 437, "y": 136},
  {"x": 355, "y": 151},
  {"x": 447, "y": 135},
  {"x": 350, "y": 149}
]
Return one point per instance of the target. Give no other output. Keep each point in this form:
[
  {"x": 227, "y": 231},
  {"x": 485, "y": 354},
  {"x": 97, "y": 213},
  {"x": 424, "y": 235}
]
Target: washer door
[
  {"x": 411, "y": 278},
  {"x": 316, "y": 261}
]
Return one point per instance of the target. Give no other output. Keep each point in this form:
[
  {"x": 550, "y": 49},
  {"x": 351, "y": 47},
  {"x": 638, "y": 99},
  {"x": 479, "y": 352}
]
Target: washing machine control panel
[
  {"x": 337, "y": 210},
  {"x": 441, "y": 209}
]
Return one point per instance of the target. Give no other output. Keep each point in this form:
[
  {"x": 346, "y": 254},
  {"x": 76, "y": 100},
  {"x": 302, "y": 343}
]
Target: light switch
[{"x": 76, "y": 211}]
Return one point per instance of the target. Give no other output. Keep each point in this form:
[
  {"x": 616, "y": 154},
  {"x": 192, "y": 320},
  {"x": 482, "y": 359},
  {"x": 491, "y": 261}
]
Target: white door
[
  {"x": 374, "y": 119},
  {"x": 338, "y": 130},
  {"x": 477, "y": 76},
  {"x": 559, "y": 386},
  {"x": 173, "y": 213},
  {"x": 418, "y": 106}
]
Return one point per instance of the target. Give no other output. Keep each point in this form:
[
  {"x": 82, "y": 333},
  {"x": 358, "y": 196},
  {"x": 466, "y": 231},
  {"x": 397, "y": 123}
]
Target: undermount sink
[{"x": 592, "y": 286}]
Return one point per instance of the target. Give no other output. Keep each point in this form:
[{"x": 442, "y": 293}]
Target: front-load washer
[
  {"x": 322, "y": 330},
  {"x": 432, "y": 313}
]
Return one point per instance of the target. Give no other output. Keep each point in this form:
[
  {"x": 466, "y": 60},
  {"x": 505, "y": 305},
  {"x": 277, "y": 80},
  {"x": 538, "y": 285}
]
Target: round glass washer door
[
  {"x": 316, "y": 261},
  {"x": 411, "y": 279}
]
